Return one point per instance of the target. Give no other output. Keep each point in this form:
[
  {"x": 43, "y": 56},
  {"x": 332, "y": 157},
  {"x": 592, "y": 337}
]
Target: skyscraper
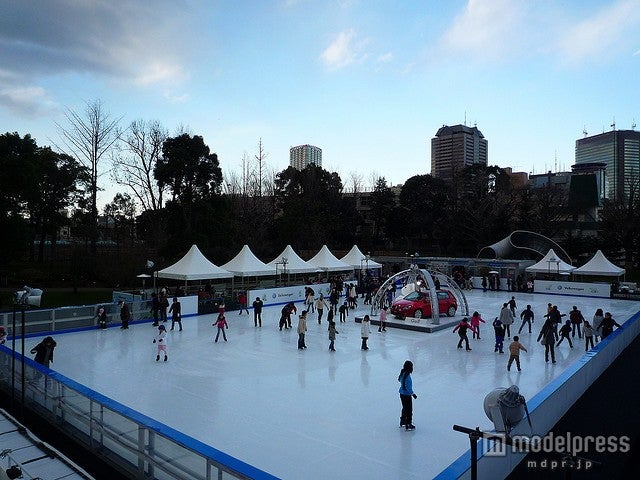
[
  {"x": 456, "y": 147},
  {"x": 619, "y": 150},
  {"x": 303, "y": 155}
]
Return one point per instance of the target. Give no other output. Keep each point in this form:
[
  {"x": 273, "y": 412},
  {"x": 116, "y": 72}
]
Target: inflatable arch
[{"x": 411, "y": 279}]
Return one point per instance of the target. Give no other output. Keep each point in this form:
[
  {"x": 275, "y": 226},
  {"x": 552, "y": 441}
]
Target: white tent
[
  {"x": 551, "y": 263},
  {"x": 327, "y": 261},
  {"x": 246, "y": 264},
  {"x": 295, "y": 264},
  {"x": 599, "y": 265},
  {"x": 359, "y": 260},
  {"x": 193, "y": 266}
]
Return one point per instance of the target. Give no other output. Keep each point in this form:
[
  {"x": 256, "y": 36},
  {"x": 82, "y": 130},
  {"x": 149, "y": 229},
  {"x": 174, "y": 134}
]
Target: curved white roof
[
  {"x": 599, "y": 265},
  {"x": 327, "y": 261},
  {"x": 357, "y": 259},
  {"x": 193, "y": 266},
  {"x": 295, "y": 264},
  {"x": 246, "y": 264}
]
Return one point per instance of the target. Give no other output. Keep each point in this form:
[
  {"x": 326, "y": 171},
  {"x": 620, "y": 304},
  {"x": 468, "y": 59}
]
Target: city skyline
[{"x": 370, "y": 86}]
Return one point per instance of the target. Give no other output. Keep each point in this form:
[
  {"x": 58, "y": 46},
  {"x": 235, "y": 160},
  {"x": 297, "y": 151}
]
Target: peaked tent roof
[
  {"x": 600, "y": 265},
  {"x": 295, "y": 264},
  {"x": 358, "y": 259},
  {"x": 193, "y": 266},
  {"x": 246, "y": 264},
  {"x": 326, "y": 260},
  {"x": 551, "y": 263}
]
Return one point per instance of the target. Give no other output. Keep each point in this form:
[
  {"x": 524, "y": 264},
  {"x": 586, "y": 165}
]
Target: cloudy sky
[{"x": 368, "y": 81}]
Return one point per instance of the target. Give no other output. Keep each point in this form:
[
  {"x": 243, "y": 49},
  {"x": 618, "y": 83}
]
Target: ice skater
[
  {"x": 476, "y": 319},
  {"x": 155, "y": 309},
  {"x": 44, "y": 351},
  {"x": 587, "y": 329},
  {"x": 512, "y": 306},
  {"x": 576, "y": 318},
  {"x": 125, "y": 315},
  {"x": 565, "y": 331},
  {"x": 242, "y": 300},
  {"x": 176, "y": 313},
  {"x": 365, "y": 331},
  {"x": 321, "y": 304},
  {"x": 498, "y": 330},
  {"x": 302, "y": 328},
  {"x": 607, "y": 325},
  {"x": 161, "y": 341},
  {"x": 506, "y": 317},
  {"x": 383, "y": 319},
  {"x": 463, "y": 326},
  {"x": 514, "y": 352},
  {"x": 406, "y": 396},
  {"x": 597, "y": 321},
  {"x": 221, "y": 323},
  {"x": 332, "y": 334},
  {"x": 547, "y": 337},
  {"x": 257, "y": 312},
  {"x": 344, "y": 311},
  {"x": 102, "y": 317},
  {"x": 527, "y": 318}
]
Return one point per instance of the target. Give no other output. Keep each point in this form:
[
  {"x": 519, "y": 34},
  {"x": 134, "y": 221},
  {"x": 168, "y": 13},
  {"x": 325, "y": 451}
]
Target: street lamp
[
  {"x": 553, "y": 260},
  {"x": 22, "y": 299},
  {"x": 283, "y": 261}
]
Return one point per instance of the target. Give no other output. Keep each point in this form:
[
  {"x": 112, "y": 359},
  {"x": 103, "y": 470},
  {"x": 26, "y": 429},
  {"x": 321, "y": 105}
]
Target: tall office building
[
  {"x": 456, "y": 147},
  {"x": 619, "y": 150},
  {"x": 303, "y": 155}
]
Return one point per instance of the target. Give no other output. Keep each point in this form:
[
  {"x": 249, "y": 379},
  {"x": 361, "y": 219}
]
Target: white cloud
[
  {"x": 597, "y": 35},
  {"x": 160, "y": 72},
  {"x": 27, "y": 101},
  {"x": 488, "y": 29},
  {"x": 385, "y": 58},
  {"x": 344, "y": 50}
]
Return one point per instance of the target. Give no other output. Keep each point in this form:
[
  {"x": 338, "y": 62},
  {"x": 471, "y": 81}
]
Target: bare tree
[
  {"x": 88, "y": 138},
  {"x": 138, "y": 154},
  {"x": 260, "y": 159},
  {"x": 354, "y": 183}
]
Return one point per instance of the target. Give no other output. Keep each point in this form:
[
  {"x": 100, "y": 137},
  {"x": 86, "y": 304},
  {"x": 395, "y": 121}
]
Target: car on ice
[{"x": 418, "y": 305}]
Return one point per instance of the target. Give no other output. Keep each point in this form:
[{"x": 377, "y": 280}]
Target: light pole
[
  {"x": 22, "y": 299},
  {"x": 283, "y": 261}
]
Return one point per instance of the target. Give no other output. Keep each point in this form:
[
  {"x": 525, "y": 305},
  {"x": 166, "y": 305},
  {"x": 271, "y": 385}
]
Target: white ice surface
[{"x": 315, "y": 414}]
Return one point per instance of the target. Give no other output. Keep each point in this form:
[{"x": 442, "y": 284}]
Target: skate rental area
[{"x": 317, "y": 414}]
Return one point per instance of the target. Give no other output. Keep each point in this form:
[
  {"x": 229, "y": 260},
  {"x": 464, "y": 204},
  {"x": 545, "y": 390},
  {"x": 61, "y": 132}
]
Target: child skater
[
  {"x": 498, "y": 329},
  {"x": 463, "y": 326},
  {"x": 161, "y": 341},
  {"x": 221, "y": 323},
  {"x": 565, "y": 331},
  {"x": 383, "y": 319},
  {"x": 514, "y": 352},
  {"x": 332, "y": 334},
  {"x": 406, "y": 396},
  {"x": 364, "y": 332},
  {"x": 475, "y": 323},
  {"x": 587, "y": 329}
]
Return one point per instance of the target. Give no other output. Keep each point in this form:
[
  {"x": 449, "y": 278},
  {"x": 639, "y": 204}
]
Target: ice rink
[{"x": 316, "y": 414}]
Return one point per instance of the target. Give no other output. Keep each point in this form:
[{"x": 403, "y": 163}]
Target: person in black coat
[
  {"x": 257, "y": 311},
  {"x": 125, "y": 315},
  {"x": 44, "y": 351},
  {"x": 607, "y": 325}
]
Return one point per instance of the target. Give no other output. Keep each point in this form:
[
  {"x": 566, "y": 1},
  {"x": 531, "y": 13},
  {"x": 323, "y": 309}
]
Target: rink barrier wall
[
  {"x": 549, "y": 405},
  {"x": 83, "y": 317},
  {"x": 138, "y": 445}
]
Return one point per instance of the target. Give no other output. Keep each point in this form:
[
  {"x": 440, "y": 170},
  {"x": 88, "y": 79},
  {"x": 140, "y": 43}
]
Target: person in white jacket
[
  {"x": 365, "y": 331},
  {"x": 161, "y": 341},
  {"x": 506, "y": 317}
]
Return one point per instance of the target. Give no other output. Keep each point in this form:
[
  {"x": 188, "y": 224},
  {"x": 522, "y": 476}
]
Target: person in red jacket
[
  {"x": 221, "y": 323},
  {"x": 463, "y": 326}
]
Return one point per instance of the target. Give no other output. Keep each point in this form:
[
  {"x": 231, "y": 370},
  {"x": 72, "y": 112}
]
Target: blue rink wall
[{"x": 548, "y": 406}]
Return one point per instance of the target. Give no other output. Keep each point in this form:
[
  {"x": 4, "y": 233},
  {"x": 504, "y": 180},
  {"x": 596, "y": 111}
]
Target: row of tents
[
  {"x": 195, "y": 266},
  {"x": 599, "y": 265}
]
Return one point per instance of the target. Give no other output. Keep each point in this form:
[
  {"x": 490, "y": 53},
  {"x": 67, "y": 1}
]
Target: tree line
[{"x": 174, "y": 194}]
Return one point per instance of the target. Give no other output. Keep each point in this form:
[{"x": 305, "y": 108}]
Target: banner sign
[
  {"x": 573, "y": 288},
  {"x": 280, "y": 295}
]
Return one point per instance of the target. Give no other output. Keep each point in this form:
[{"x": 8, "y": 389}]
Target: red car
[{"x": 418, "y": 305}]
